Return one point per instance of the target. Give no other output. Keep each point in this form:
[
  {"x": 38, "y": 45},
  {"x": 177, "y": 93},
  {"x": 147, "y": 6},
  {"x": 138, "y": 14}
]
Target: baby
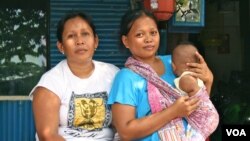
[
  {"x": 206, "y": 115},
  {"x": 185, "y": 83}
]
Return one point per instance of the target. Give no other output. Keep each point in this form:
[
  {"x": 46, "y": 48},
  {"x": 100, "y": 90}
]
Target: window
[{"x": 23, "y": 46}]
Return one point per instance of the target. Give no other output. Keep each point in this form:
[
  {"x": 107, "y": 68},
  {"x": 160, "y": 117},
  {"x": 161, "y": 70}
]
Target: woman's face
[
  {"x": 78, "y": 41},
  {"x": 143, "y": 38}
]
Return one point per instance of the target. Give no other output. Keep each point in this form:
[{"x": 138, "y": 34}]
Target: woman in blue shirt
[{"x": 132, "y": 114}]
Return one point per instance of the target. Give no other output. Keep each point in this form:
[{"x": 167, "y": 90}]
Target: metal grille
[{"x": 16, "y": 121}]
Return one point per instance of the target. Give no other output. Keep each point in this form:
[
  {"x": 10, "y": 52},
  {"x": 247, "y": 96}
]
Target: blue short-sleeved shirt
[{"x": 131, "y": 89}]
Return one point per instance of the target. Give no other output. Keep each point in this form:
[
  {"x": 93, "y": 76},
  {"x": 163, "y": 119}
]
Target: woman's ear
[
  {"x": 60, "y": 47},
  {"x": 96, "y": 41},
  {"x": 125, "y": 41}
]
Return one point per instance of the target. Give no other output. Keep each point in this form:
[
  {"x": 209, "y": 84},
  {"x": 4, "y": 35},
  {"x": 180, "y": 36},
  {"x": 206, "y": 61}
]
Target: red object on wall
[{"x": 164, "y": 11}]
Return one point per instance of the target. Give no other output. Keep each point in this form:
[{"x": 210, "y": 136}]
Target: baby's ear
[{"x": 173, "y": 67}]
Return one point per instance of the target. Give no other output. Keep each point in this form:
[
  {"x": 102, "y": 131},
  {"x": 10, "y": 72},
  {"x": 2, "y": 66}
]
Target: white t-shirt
[{"x": 84, "y": 114}]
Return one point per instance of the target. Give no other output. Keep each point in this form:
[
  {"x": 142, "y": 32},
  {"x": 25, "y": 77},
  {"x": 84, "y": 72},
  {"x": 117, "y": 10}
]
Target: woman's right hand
[
  {"x": 201, "y": 70},
  {"x": 184, "y": 106}
]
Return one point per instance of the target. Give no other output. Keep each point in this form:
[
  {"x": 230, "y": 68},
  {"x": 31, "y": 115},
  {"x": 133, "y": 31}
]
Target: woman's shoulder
[
  {"x": 57, "y": 70},
  {"x": 106, "y": 66},
  {"x": 53, "y": 79},
  {"x": 126, "y": 74},
  {"x": 126, "y": 71}
]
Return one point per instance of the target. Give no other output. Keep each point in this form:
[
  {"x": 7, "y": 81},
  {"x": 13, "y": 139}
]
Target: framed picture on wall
[
  {"x": 189, "y": 17},
  {"x": 189, "y": 13}
]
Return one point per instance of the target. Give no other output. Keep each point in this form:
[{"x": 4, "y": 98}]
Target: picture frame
[
  {"x": 189, "y": 13},
  {"x": 189, "y": 16}
]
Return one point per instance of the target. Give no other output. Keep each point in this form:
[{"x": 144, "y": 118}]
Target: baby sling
[{"x": 161, "y": 95}]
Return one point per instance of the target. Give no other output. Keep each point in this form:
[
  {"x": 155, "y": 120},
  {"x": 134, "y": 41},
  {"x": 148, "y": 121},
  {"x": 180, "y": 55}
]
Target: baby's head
[{"x": 183, "y": 53}]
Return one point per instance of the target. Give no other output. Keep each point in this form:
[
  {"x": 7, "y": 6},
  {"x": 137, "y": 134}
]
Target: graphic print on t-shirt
[{"x": 89, "y": 111}]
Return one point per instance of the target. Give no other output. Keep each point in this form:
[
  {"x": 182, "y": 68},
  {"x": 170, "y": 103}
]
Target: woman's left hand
[{"x": 201, "y": 70}]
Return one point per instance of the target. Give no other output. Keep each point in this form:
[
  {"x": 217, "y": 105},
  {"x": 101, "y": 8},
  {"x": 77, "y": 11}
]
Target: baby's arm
[
  {"x": 206, "y": 118},
  {"x": 189, "y": 84}
]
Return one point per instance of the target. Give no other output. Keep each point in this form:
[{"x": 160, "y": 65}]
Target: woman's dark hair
[
  {"x": 131, "y": 16},
  {"x": 71, "y": 15}
]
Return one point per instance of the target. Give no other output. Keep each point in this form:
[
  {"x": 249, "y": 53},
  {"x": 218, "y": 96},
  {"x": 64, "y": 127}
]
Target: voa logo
[{"x": 236, "y": 132}]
